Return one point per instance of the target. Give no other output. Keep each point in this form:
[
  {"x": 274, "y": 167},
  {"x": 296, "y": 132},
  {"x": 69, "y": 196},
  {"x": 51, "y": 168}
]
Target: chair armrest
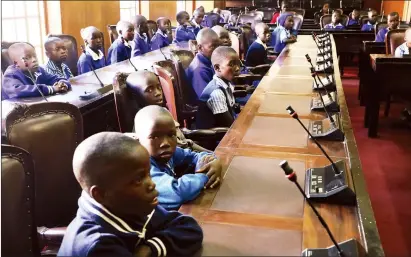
[
  {"x": 50, "y": 236},
  {"x": 202, "y": 134},
  {"x": 260, "y": 69},
  {"x": 247, "y": 78},
  {"x": 240, "y": 93}
]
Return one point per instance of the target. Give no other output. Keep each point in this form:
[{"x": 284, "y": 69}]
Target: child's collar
[
  {"x": 258, "y": 40},
  {"x": 159, "y": 31},
  {"x": 94, "y": 55}
]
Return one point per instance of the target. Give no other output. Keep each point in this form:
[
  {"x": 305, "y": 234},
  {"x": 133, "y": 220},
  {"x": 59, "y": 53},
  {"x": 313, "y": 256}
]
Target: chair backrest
[
  {"x": 5, "y": 58},
  {"x": 249, "y": 19},
  {"x": 126, "y": 106},
  {"x": 245, "y": 40},
  {"x": 171, "y": 67},
  {"x": 364, "y": 19},
  {"x": 344, "y": 20},
  {"x": 18, "y": 229},
  {"x": 298, "y": 21},
  {"x": 112, "y": 32},
  {"x": 184, "y": 56},
  {"x": 225, "y": 14},
  {"x": 380, "y": 25},
  {"x": 235, "y": 42},
  {"x": 268, "y": 13},
  {"x": 211, "y": 19},
  {"x": 152, "y": 28},
  {"x": 192, "y": 45},
  {"x": 299, "y": 11},
  {"x": 50, "y": 132},
  {"x": 72, "y": 51},
  {"x": 325, "y": 19},
  {"x": 185, "y": 88},
  {"x": 394, "y": 39},
  {"x": 167, "y": 81},
  {"x": 257, "y": 13}
]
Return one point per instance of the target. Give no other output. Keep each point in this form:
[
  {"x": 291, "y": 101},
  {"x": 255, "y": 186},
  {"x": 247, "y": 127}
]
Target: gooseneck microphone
[
  {"x": 128, "y": 56},
  {"x": 325, "y": 61},
  {"x": 33, "y": 79},
  {"x": 314, "y": 74},
  {"x": 295, "y": 116},
  {"x": 161, "y": 51},
  {"x": 92, "y": 68},
  {"x": 292, "y": 176}
]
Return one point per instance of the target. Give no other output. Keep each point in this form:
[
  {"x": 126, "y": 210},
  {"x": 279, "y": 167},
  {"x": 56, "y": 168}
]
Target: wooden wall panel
[
  {"x": 163, "y": 9},
  {"x": 76, "y": 15},
  {"x": 373, "y": 4},
  {"x": 393, "y": 6}
]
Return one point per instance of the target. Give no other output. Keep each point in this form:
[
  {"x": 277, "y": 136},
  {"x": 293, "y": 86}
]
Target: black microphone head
[
  {"x": 291, "y": 110},
  {"x": 308, "y": 58},
  {"x": 289, "y": 172}
]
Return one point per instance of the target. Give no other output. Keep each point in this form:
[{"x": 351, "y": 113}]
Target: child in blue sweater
[
  {"x": 335, "y": 22},
  {"x": 163, "y": 37},
  {"x": 197, "y": 20},
  {"x": 141, "y": 41},
  {"x": 393, "y": 20},
  {"x": 118, "y": 212},
  {"x": 94, "y": 57},
  {"x": 257, "y": 52},
  {"x": 372, "y": 16},
  {"x": 56, "y": 51},
  {"x": 156, "y": 131},
  {"x": 217, "y": 106},
  {"x": 120, "y": 50},
  {"x": 354, "y": 18},
  {"x": 186, "y": 29},
  {"x": 282, "y": 35},
  {"x": 18, "y": 81}
]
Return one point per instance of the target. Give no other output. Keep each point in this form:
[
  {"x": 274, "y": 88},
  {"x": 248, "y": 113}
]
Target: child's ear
[{"x": 216, "y": 67}]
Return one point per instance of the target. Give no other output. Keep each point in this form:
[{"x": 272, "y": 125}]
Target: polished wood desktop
[{"x": 256, "y": 210}]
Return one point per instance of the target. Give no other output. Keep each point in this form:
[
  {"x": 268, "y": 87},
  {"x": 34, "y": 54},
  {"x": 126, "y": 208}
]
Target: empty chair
[
  {"x": 298, "y": 21},
  {"x": 126, "y": 105},
  {"x": 72, "y": 51},
  {"x": 184, "y": 56},
  {"x": 268, "y": 13},
  {"x": 167, "y": 84},
  {"x": 225, "y": 14},
  {"x": 112, "y": 32},
  {"x": 394, "y": 39},
  {"x": 50, "y": 132}
]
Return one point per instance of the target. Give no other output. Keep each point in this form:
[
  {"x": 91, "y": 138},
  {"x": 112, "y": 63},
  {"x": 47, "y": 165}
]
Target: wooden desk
[
  {"x": 256, "y": 210},
  {"x": 387, "y": 69},
  {"x": 98, "y": 113}
]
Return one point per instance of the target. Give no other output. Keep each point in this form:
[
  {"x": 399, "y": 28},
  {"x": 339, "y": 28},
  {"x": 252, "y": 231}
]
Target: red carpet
[{"x": 387, "y": 169}]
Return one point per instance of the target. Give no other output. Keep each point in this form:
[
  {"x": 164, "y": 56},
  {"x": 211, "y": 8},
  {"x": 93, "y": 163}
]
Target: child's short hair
[
  {"x": 394, "y": 14},
  {"x": 197, "y": 12},
  {"x": 122, "y": 26},
  {"x": 219, "y": 30},
  {"x": 181, "y": 14},
  {"x": 86, "y": 32},
  {"x": 50, "y": 41},
  {"x": 221, "y": 53},
  {"x": 160, "y": 19},
  {"x": 15, "y": 49},
  {"x": 137, "y": 20},
  {"x": 205, "y": 34}
]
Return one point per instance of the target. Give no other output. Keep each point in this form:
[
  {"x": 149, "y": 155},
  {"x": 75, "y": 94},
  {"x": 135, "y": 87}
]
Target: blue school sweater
[
  {"x": 184, "y": 33},
  {"x": 380, "y": 37},
  {"x": 173, "y": 191},
  {"x": 16, "y": 84},
  {"x": 141, "y": 45},
  {"x": 118, "y": 51},
  {"x": 159, "y": 40},
  {"x": 256, "y": 55},
  {"x": 331, "y": 26},
  {"x": 199, "y": 74},
  {"x": 95, "y": 231},
  {"x": 352, "y": 22},
  {"x": 86, "y": 61},
  {"x": 367, "y": 27},
  {"x": 205, "y": 118}
]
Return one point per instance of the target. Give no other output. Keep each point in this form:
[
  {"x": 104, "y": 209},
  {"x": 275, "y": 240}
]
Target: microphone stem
[
  {"x": 319, "y": 79},
  {"x": 334, "y": 167},
  {"x": 35, "y": 84},
  {"x": 320, "y": 218}
]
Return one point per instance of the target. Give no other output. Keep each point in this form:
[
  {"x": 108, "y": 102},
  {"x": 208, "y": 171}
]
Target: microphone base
[
  {"x": 333, "y": 133},
  {"x": 327, "y": 69},
  {"x": 350, "y": 248},
  {"x": 328, "y": 84},
  {"x": 323, "y": 185},
  {"x": 330, "y": 106},
  {"x": 323, "y": 59},
  {"x": 324, "y": 52},
  {"x": 87, "y": 95}
]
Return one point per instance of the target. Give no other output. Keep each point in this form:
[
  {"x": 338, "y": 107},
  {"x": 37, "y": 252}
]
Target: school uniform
[
  {"x": 402, "y": 49},
  {"x": 140, "y": 45},
  {"x": 17, "y": 84},
  {"x": 174, "y": 191},
  {"x": 90, "y": 59},
  {"x": 62, "y": 71},
  {"x": 256, "y": 54},
  {"x": 159, "y": 40},
  {"x": 197, "y": 27},
  {"x": 199, "y": 74},
  {"x": 352, "y": 22},
  {"x": 184, "y": 33},
  {"x": 96, "y": 231},
  {"x": 367, "y": 27},
  {"x": 331, "y": 26},
  {"x": 380, "y": 37},
  {"x": 216, "y": 98},
  {"x": 118, "y": 51}
]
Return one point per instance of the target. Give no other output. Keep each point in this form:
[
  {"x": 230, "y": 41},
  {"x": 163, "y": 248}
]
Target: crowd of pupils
[{"x": 130, "y": 187}]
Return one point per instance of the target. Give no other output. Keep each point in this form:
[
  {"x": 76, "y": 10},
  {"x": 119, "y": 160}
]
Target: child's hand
[
  {"x": 60, "y": 87},
  {"x": 143, "y": 251},
  {"x": 213, "y": 172}
]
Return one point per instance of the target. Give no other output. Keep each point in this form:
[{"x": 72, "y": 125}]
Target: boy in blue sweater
[
  {"x": 163, "y": 37},
  {"x": 257, "y": 52},
  {"x": 156, "y": 130},
  {"x": 120, "y": 50},
  {"x": 197, "y": 20},
  {"x": 94, "y": 57},
  {"x": 372, "y": 16},
  {"x": 354, "y": 18},
  {"x": 217, "y": 106},
  {"x": 141, "y": 41},
  {"x": 200, "y": 71},
  {"x": 335, "y": 22},
  {"x": 118, "y": 212},
  {"x": 56, "y": 51},
  {"x": 393, "y": 20},
  {"x": 186, "y": 29},
  {"x": 18, "y": 81}
]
